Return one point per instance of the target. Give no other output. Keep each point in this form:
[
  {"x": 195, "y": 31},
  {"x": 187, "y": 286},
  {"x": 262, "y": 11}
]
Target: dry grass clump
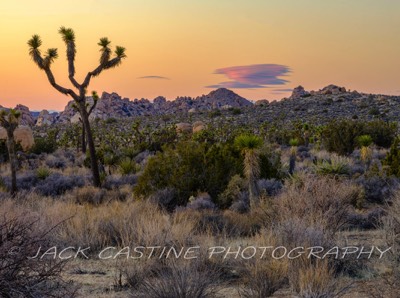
[
  {"x": 180, "y": 279},
  {"x": 21, "y": 236},
  {"x": 263, "y": 277},
  {"x": 388, "y": 284},
  {"x": 318, "y": 201},
  {"x": 316, "y": 280}
]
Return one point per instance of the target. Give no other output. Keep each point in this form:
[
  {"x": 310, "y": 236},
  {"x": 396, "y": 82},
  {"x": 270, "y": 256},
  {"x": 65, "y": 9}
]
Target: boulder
[
  {"x": 183, "y": 127},
  {"x": 22, "y": 135},
  {"x": 44, "y": 118},
  {"x": 299, "y": 92},
  {"x": 26, "y": 116},
  {"x": 199, "y": 126},
  {"x": 332, "y": 89},
  {"x": 262, "y": 102}
]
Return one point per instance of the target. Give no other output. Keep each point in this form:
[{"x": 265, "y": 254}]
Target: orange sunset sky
[{"x": 258, "y": 48}]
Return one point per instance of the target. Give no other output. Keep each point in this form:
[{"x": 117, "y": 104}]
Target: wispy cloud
[
  {"x": 154, "y": 77},
  {"x": 283, "y": 90},
  {"x": 253, "y": 76}
]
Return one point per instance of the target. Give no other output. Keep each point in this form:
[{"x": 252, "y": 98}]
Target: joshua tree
[
  {"x": 10, "y": 120},
  {"x": 249, "y": 145},
  {"x": 79, "y": 96},
  {"x": 292, "y": 161}
]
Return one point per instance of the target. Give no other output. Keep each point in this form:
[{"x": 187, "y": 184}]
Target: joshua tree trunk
[
  {"x": 92, "y": 150},
  {"x": 13, "y": 160},
  {"x": 83, "y": 139},
  {"x": 252, "y": 171}
]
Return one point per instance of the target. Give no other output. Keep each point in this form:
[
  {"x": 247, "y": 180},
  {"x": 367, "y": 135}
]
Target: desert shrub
[
  {"x": 374, "y": 111},
  {"x": 392, "y": 160},
  {"x": 163, "y": 198},
  {"x": 296, "y": 232},
  {"x": 271, "y": 187},
  {"x": 391, "y": 226},
  {"x": 233, "y": 192},
  {"x": 366, "y": 221},
  {"x": 340, "y": 136},
  {"x": 135, "y": 272},
  {"x": 377, "y": 188},
  {"x": 55, "y": 162},
  {"x": 181, "y": 280},
  {"x": 382, "y": 133},
  {"x": 262, "y": 277},
  {"x": 43, "y": 146},
  {"x": 316, "y": 280},
  {"x": 20, "y": 276},
  {"x": 57, "y": 184},
  {"x": 387, "y": 283},
  {"x": 242, "y": 204},
  {"x": 270, "y": 164},
  {"x": 317, "y": 200},
  {"x": 188, "y": 168},
  {"x": 47, "y": 144},
  {"x": 201, "y": 202},
  {"x": 121, "y": 224},
  {"x": 112, "y": 181},
  {"x": 89, "y": 195},
  {"x": 25, "y": 181}
]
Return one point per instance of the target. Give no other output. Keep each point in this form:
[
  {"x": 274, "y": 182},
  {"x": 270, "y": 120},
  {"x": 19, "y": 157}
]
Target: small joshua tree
[
  {"x": 250, "y": 145},
  {"x": 292, "y": 161},
  {"x": 79, "y": 96},
  {"x": 9, "y": 120}
]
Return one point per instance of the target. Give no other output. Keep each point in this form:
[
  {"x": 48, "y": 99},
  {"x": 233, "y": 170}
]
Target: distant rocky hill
[
  {"x": 319, "y": 106},
  {"x": 113, "y": 106}
]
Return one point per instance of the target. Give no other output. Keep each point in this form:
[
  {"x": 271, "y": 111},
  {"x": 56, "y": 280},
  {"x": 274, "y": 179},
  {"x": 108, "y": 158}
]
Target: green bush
[
  {"x": 382, "y": 133},
  {"x": 340, "y": 136},
  {"x": 188, "y": 168},
  {"x": 46, "y": 144},
  {"x": 392, "y": 160}
]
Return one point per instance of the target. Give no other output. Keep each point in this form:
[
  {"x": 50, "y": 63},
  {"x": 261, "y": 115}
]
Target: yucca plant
[
  {"x": 365, "y": 141},
  {"x": 42, "y": 173},
  {"x": 79, "y": 95},
  {"x": 250, "y": 147},
  {"x": 127, "y": 166},
  {"x": 335, "y": 166},
  {"x": 9, "y": 120}
]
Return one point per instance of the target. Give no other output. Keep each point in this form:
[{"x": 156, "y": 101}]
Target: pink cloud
[{"x": 253, "y": 76}]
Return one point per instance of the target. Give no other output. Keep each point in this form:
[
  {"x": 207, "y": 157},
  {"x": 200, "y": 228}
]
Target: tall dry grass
[{"x": 319, "y": 201}]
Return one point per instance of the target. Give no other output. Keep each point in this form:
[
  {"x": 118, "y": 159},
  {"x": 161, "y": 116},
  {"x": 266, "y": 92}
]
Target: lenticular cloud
[{"x": 253, "y": 76}]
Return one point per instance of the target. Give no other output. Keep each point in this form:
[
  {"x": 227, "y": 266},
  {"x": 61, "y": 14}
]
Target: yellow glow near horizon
[{"x": 349, "y": 43}]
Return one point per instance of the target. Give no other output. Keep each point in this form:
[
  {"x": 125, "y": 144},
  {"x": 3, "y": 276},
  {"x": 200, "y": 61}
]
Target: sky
[{"x": 260, "y": 49}]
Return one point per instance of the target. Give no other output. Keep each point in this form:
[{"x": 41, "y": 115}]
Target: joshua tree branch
[
  {"x": 93, "y": 106},
  {"x": 110, "y": 64},
  {"x": 59, "y": 88}
]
